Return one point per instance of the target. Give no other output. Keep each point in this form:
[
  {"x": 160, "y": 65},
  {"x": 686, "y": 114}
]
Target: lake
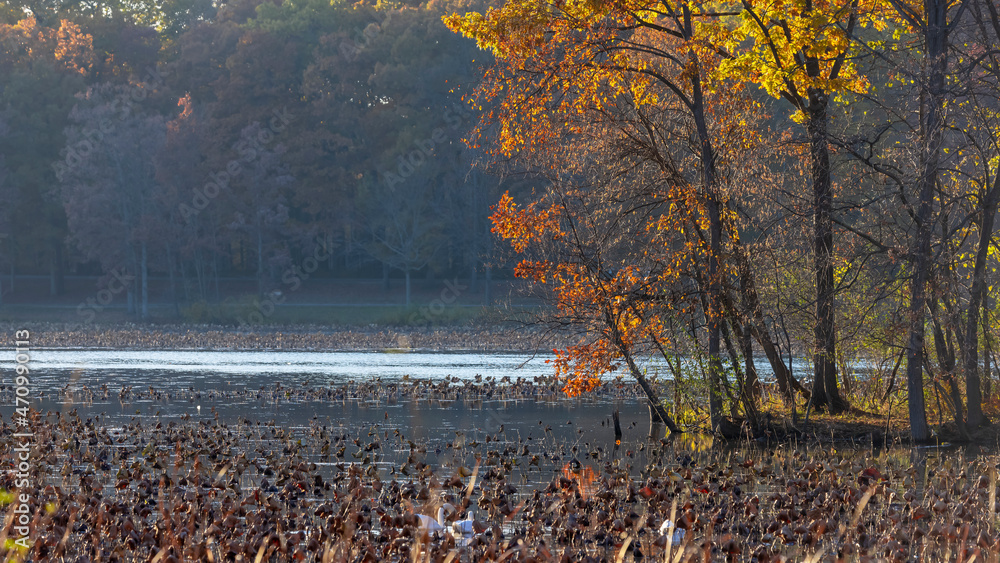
[{"x": 169, "y": 385}]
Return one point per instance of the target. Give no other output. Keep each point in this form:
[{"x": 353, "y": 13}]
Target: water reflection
[{"x": 253, "y": 367}]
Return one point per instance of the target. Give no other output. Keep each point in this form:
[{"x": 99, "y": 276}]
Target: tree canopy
[{"x": 658, "y": 82}]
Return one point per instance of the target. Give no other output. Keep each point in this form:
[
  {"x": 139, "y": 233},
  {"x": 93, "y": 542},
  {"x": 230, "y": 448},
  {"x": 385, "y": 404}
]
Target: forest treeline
[
  {"x": 193, "y": 140},
  {"x": 781, "y": 177}
]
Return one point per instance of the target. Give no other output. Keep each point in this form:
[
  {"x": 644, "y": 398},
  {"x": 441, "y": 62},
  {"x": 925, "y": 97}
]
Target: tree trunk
[
  {"x": 946, "y": 360},
  {"x": 651, "y": 396},
  {"x": 199, "y": 275},
  {"x": 260, "y": 263},
  {"x": 746, "y": 346},
  {"x": 935, "y": 62},
  {"x": 407, "y": 273},
  {"x": 713, "y": 312},
  {"x": 746, "y": 396},
  {"x": 754, "y": 322},
  {"x": 144, "y": 272},
  {"x": 487, "y": 287},
  {"x": 173, "y": 281},
  {"x": 328, "y": 250},
  {"x": 216, "y": 276},
  {"x": 56, "y": 281},
  {"x": 474, "y": 239},
  {"x": 185, "y": 284},
  {"x": 825, "y": 392},
  {"x": 970, "y": 349},
  {"x": 989, "y": 358},
  {"x": 348, "y": 246},
  {"x": 919, "y": 430},
  {"x": 653, "y": 399}
]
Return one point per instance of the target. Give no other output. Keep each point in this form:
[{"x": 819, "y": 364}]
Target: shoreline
[{"x": 132, "y": 336}]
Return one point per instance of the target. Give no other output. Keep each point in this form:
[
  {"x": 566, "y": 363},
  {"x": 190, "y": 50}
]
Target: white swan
[
  {"x": 465, "y": 530},
  {"x": 429, "y": 525},
  {"x": 678, "y": 532}
]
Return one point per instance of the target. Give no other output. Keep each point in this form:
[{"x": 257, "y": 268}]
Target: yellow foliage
[{"x": 795, "y": 46}]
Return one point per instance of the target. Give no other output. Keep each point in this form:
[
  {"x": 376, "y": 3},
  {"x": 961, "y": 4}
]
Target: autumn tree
[
  {"x": 43, "y": 67},
  {"x": 803, "y": 52},
  {"x": 46, "y": 13},
  {"x": 6, "y": 214},
  {"x": 10, "y": 13},
  {"x": 634, "y": 68},
  {"x": 932, "y": 23},
  {"x": 123, "y": 49},
  {"x": 966, "y": 192},
  {"x": 983, "y": 102},
  {"x": 110, "y": 194},
  {"x": 606, "y": 239},
  {"x": 179, "y": 16},
  {"x": 179, "y": 167},
  {"x": 927, "y": 137},
  {"x": 195, "y": 234},
  {"x": 257, "y": 197},
  {"x": 404, "y": 223}
]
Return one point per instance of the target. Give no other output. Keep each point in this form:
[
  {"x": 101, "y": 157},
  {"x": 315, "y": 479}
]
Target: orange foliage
[
  {"x": 585, "y": 478},
  {"x": 68, "y": 45},
  {"x": 556, "y": 63},
  {"x": 74, "y": 48},
  {"x": 520, "y": 225},
  {"x": 621, "y": 310}
]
